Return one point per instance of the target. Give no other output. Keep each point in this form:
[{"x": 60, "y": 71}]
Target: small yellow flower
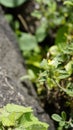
[{"x": 49, "y": 61}]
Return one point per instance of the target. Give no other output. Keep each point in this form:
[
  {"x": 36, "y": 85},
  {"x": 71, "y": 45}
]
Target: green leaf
[
  {"x": 69, "y": 67},
  {"x": 44, "y": 64},
  {"x": 37, "y": 125},
  {"x": 16, "y": 25},
  {"x": 7, "y": 122},
  {"x": 41, "y": 33},
  {"x": 36, "y": 14},
  {"x": 68, "y": 2},
  {"x": 54, "y": 50},
  {"x": 56, "y": 117},
  {"x": 60, "y": 37},
  {"x": 3, "y": 113},
  {"x": 12, "y": 3},
  {"x": 9, "y": 18},
  {"x": 63, "y": 114},
  {"x": 15, "y": 116},
  {"x": 63, "y": 74},
  {"x": 62, "y": 123},
  {"x": 27, "y": 42},
  {"x": 17, "y": 108},
  {"x": 31, "y": 74}
]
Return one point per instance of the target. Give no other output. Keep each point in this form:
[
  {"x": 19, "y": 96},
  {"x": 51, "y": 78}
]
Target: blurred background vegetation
[{"x": 44, "y": 30}]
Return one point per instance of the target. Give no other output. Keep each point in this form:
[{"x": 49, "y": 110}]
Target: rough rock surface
[{"x": 11, "y": 69}]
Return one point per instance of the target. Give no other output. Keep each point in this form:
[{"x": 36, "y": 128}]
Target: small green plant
[
  {"x": 58, "y": 69},
  {"x": 15, "y": 117},
  {"x": 56, "y": 81},
  {"x": 62, "y": 120}
]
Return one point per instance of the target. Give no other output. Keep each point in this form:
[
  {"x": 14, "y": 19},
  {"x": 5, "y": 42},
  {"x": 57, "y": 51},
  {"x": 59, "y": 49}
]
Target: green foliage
[
  {"x": 58, "y": 69},
  {"x": 62, "y": 120},
  {"x": 15, "y": 117},
  {"x": 56, "y": 117},
  {"x": 57, "y": 16},
  {"x": 12, "y": 3},
  {"x": 68, "y": 2}
]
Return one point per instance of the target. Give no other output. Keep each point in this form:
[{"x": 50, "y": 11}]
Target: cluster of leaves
[
  {"x": 63, "y": 122},
  {"x": 58, "y": 69},
  {"x": 57, "y": 74},
  {"x": 52, "y": 14},
  {"x": 15, "y": 117}
]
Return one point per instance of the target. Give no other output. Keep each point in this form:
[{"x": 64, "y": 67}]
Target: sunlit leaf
[
  {"x": 17, "y": 108},
  {"x": 56, "y": 117},
  {"x": 68, "y": 2},
  {"x": 7, "y": 122}
]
